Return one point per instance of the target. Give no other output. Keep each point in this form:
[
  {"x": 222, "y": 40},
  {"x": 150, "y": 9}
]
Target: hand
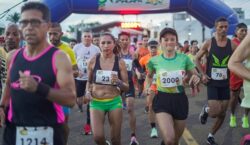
[
  {"x": 194, "y": 81},
  {"x": 114, "y": 79},
  {"x": 76, "y": 73},
  {"x": 87, "y": 98},
  {"x": 205, "y": 78},
  {"x": 27, "y": 82},
  {"x": 2, "y": 117},
  {"x": 80, "y": 74}
]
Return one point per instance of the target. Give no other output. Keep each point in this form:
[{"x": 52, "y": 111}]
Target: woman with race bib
[
  {"x": 170, "y": 103},
  {"x": 107, "y": 77}
]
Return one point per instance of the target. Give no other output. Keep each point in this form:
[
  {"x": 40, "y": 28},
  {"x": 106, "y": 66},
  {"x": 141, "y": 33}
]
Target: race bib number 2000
[
  {"x": 34, "y": 136},
  {"x": 171, "y": 78},
  {"x": 104, "y": 76}
]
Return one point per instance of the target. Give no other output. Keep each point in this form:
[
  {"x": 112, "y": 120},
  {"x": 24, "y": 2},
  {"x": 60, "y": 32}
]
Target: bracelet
[
  {"x": 42, "y": 90},
  {"x": 2, "y": 106}
]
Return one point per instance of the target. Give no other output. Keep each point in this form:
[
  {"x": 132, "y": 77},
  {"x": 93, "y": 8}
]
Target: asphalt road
[{"x": 195, "y": 134}]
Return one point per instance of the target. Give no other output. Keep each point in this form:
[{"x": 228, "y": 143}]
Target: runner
[
  {"x": 153, "y": 47},
  {"x": 55, "y": 33},
  {"x": 39, "y": 81},
  {"x": 236, "y": 65},
  {"x": 124, "y": 41},
  {"x": 218, "y": 50},
  {"x": 107, "y": 77},
  {"x": 84, "y": 52},
  {"x": 235, "y": 82},
  {"x": 170, "y": 104},
  {"x": 72, "y": 43}
]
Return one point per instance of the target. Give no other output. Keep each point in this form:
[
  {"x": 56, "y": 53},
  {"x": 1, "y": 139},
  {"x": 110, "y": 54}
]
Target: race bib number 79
[
  {"x": 104, "y": 76},
  {"x": 171, "y": 78},
  {"x": 34, "y": 136}
]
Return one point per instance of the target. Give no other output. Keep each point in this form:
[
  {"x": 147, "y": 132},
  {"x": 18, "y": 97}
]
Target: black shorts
[
  {"x": 131, "y": 91},
  {"x": 218, "y": 93},
  {"x": 9, "y": 135},
  {"x": 175, "y": 104},
  {"x": 80, "y": 88}
]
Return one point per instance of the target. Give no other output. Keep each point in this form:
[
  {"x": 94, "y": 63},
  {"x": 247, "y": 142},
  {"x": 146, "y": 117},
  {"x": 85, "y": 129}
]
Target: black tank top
[
  {"x": 31, "y": 109},
  {"x": 98, "y": 67},
  {"x": 218, "y": 59}
]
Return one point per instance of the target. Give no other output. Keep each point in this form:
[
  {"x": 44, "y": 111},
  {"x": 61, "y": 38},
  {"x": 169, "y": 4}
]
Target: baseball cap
[{"x": 152, "y": 43}]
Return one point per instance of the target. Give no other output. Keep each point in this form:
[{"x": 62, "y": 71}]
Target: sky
[{"x": 153, "y": 19}]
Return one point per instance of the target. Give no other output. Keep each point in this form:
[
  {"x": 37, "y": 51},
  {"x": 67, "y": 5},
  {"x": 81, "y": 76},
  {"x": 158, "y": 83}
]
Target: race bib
[
  {"x": 154, "y": 79},
  {"x": 83, "y": 64},
  {"x": 171, "y": 79},
  {"x": 104, "y": 76},
  {"x": 34, "y": 136},
  {"x": 219, "y": 73},
  {"x": 128, "y": 63}
]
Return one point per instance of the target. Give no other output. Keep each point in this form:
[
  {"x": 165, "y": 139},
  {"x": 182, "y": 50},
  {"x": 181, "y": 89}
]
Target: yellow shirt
[{"x": 65, "y": 48}]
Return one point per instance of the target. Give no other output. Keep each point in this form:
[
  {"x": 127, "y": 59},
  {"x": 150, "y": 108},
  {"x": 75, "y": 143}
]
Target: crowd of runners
[{"x": 42, "y": 78}]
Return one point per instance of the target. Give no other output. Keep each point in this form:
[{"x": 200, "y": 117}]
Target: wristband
[
  {"x": 2, "y": 106},
  {"x": 43, "y": 90}
]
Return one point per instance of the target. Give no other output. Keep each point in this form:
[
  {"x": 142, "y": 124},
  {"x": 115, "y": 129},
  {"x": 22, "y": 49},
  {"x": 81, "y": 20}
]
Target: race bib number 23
[
  {"x": 34, "y": 136},
  {"x": 104, "y": 76}
]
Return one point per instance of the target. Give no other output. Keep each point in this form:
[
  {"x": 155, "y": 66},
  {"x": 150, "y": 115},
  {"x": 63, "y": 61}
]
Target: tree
[
  {"x": 14, "y": 18},
  {"x": 71, "y": 29}
]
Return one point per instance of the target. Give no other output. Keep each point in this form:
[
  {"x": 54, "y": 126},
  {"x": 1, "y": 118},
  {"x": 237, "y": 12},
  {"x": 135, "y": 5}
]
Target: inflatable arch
[{"x": 206, "y": 11}]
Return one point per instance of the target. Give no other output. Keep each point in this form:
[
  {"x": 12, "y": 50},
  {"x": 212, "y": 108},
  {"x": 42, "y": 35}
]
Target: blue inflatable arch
[{"x": 206, "y": 11}]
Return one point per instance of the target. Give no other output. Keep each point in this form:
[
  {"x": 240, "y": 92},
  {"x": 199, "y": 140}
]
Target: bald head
[
  {"x": 55, "y": 34},
  {"x": 12, "y": 37}
]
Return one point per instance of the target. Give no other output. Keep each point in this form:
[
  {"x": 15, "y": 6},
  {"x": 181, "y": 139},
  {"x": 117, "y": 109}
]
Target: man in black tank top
[
  {"x": 218, "y": 51},
  {"x": 39, "y": 81}
]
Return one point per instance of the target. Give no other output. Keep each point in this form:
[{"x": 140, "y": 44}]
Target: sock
[
  {"x": 207, "y": 109},
  {"x": 132, "y": 134},
  {"x": 152, "y": 125},
  {"x": 210, "y": 135}
]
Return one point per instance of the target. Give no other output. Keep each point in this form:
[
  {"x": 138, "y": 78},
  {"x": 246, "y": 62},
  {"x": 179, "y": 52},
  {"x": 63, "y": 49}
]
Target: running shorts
[
  {"x": 106, "y": 105},
  {"x": 218, "y": 93}
]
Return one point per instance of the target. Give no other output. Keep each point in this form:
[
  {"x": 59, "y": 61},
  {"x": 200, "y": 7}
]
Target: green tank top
[{"x": 170, "y": 72}]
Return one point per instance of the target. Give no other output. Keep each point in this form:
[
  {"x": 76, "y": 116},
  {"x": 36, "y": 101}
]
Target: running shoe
[
  {"x": 245, "y": 123},
  {"x": 203, "y": 115},
  {"x": 210, "y": 141},
  {"x": 87, "y": 129},
  {"x": 108, "y": 143},
  {"x": 154, "y": 133},
  {"x": 133, "y": 141},
  {"x": 232, "y": 121}
]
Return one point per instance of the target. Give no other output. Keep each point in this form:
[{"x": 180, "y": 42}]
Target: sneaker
[
  {"x": 245, "y": 123},
  {"x": 87, "y": 129},
  {"x": 133, "y": 141},
  {"x": 153, "y": 133},
  {"x": 146, "y": 109},
  {"x": 203, "y": 115},
  {"x": 108, "y": 143},
  {"x": 232, "y": 121},
  {"x": 80, "y": 110},
  {"x": 210, "y": 141}
]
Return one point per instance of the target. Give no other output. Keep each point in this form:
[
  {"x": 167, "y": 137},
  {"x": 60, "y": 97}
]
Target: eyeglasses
[
  {"x": 106, "y": 42},
  {"x": 33, "y": 23}
]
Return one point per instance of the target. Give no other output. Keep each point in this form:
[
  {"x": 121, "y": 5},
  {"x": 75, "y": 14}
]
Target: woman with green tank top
[{"x": 170, "y": 103}]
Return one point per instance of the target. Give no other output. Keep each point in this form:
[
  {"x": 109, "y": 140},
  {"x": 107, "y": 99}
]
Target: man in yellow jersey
[{"x": 55, "y": 34}]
